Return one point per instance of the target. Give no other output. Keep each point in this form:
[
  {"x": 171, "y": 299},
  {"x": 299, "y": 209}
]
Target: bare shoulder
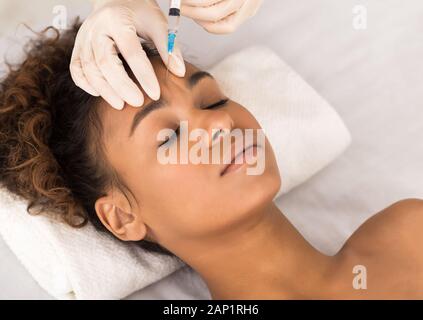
[
  {"x": 389, "y": 245},
  {"x": 413, "y": 206},
  {"x": 405, "y": 215},
  {"x": 399, "y": 226}
]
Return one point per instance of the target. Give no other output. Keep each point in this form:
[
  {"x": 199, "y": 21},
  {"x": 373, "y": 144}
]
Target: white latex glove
[
  {"x": 220, "y": 16},
  {"x": 110, "y": 29}
]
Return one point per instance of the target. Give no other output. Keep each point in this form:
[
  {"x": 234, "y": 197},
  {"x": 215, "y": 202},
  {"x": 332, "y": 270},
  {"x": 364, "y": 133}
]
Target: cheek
[
  {"x": 185, "y": 202},
  {"x": 175, "y": 198}
]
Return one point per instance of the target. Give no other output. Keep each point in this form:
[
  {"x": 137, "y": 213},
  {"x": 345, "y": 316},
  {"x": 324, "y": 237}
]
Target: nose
[
  {"x": 217, "y": 123},
  {"x": 220, "y": 124}
]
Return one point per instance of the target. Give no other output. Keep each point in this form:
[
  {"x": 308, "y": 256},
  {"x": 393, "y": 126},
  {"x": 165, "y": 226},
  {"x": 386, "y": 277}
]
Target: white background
[{"x": 372, "y": 77}]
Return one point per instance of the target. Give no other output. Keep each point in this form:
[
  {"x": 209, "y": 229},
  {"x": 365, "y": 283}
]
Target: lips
[{"x": 232, "y": 166}]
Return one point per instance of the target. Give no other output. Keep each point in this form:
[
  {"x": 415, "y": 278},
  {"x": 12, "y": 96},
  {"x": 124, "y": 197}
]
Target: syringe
[{"x": 173, "y": 22}]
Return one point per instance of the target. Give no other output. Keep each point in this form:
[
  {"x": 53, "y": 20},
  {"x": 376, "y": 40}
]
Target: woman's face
[{"x": 185, "y": 200}]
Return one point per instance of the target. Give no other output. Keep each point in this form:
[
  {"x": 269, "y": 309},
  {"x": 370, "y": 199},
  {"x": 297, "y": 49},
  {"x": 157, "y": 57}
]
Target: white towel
[{"x": 306, "y": 135}]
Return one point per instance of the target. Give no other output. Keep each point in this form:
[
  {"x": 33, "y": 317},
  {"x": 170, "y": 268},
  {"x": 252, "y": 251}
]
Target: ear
[{"x": 115, "y": 212}]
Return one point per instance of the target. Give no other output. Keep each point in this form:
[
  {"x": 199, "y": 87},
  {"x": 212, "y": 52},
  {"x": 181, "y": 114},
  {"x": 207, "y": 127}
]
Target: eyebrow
[
  {"x": 197, "y": 77},
  {"x": 192, "y": 81}
]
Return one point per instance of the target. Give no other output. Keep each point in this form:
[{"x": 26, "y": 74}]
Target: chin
[
  {"x": 255, "y": 194},
  {"x": 240, "y": 199},
  {"x": 261, "y": 189}
]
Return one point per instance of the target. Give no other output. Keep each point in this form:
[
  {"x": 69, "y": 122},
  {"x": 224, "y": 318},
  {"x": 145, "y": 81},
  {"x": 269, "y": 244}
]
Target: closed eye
[
  {"x": 171, "y": 138},
  {"x": 217, "y": 104}
]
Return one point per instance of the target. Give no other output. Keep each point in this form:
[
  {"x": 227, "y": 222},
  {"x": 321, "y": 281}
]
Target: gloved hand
[
  {"x": 111, "y": 28},
  {"x": 220, "y": 16}
]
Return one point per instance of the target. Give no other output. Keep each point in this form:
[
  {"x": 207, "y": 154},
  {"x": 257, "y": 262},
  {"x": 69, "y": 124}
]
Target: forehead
[
  {"x": 161, "y": 70},
  {"x": 170, "y": 85}
]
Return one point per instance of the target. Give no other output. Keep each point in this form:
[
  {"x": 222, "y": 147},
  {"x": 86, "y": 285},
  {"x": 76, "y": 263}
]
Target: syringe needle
[{"x": 167, "y": 69}]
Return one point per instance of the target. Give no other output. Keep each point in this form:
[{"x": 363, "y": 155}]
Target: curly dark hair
[{"x": 50, "y": 135}]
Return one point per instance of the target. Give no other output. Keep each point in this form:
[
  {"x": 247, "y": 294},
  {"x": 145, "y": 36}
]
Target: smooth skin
[{"x": 227, "y": 228}]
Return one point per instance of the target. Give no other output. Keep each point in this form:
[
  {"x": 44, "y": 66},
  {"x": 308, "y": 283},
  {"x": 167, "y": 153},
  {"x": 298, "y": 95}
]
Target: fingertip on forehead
[
  {"x": 160, "y": 71},
  {"x": 160, "y": 68}
]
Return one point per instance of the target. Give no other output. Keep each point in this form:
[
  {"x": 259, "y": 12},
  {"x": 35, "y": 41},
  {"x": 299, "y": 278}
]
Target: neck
[{"x": 267, "y": 258}]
